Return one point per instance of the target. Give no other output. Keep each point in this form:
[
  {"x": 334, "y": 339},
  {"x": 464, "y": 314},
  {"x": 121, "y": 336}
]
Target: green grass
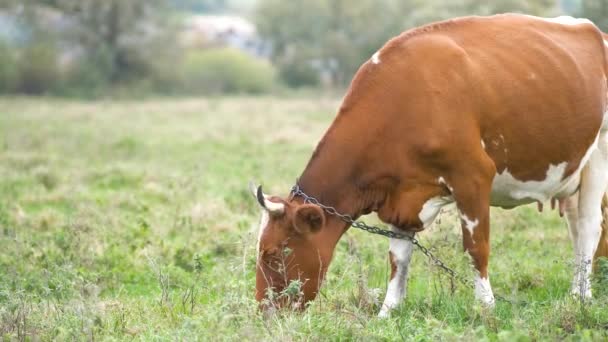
[{"x": 131, "y": 221}]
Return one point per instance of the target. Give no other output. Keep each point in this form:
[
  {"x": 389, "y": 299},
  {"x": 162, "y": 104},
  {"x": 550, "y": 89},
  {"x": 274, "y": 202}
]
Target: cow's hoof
[
  {"x": 384, "y": 312},
  {"x": 491, "y": 304}
]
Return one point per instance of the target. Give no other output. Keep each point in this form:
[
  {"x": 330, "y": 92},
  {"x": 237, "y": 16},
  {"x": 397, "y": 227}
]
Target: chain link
[{"x": 296, "y": 191}]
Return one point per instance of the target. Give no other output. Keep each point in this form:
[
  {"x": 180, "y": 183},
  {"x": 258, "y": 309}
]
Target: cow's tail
[{"x": 602, "y": 247}]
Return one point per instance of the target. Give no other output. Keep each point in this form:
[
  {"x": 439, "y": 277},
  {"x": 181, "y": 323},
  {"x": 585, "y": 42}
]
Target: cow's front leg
[
  {"x": 400, "y": 254},
  {"x": 473, "y": 202}
]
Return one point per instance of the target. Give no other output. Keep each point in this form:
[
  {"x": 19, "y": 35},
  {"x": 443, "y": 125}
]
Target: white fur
[
  {"x": 483, "y": 144},
  {"x": 431, "y": 208},
  {"x": 469, "y": 224},
  {"x": 396, "y": 291},
  {"x": 483, "y": 291},
  {"x": 263, "y": 225},
  {"x": 442, "y": 181},
  {"x": 567, "y": 20},
  {"x": 376, "y": 58},
  {"x": 588, "y": 215},
  {"x": 580, "y": 283},
  {"x": 273, "y": 207},
  {"x": 605, "y": 118},
  {"x": 507, "y": 191}
]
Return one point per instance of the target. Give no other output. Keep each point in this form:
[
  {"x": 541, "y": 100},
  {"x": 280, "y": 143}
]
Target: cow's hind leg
[
  {"x": 400, "y": 254},
  {"x": 594, "y": 179},
  {"x": 571, "y": 210}
]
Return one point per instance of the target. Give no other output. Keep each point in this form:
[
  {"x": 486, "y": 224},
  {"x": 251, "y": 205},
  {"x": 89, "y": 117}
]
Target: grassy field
[{"x": 131, "y": 221}]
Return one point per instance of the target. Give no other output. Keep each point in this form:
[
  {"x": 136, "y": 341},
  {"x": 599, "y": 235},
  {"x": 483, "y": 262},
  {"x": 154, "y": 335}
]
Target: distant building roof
[
  {"x": 233, "y": 31},
  {"x": 220, "y": 24}
]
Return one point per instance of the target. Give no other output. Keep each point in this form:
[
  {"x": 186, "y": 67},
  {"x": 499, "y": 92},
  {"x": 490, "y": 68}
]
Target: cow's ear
[{"x": 308, "y": 218}]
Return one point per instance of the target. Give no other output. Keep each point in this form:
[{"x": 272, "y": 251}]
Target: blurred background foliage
[{"x": 92, "y": 48}]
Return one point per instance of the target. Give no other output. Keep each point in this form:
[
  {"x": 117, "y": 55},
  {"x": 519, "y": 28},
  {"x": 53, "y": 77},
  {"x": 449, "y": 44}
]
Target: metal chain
[{"x": 296, "y": 191}]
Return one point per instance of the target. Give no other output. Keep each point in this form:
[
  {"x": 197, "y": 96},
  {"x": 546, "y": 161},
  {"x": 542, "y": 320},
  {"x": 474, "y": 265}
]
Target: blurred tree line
[
  {"x": 92, "y": 47},
  {"x": 596, "y": 11},
  {"x": 89, "y": 48},
  {"x": 336, "y": 36},
  {"x": 106, "y": 42}
]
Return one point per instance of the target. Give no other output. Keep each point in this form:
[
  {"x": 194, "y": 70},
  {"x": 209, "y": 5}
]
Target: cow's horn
[
  {"x": 272, "y": 207},
  {"x": 261, "y": 197},
  {"x": 253, "y": 188}
]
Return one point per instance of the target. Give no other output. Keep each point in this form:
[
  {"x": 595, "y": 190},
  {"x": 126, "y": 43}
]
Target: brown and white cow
[{"x": 477, "y": 111}]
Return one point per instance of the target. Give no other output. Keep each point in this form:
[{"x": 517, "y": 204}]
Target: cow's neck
[
  {"x": 326, "y": 179},
  {"x": 337, "y": 175}
]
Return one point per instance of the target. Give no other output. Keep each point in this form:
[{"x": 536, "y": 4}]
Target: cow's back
[
  {"x": 541, "y": 87},
  {"x": 531, "y": 92}
]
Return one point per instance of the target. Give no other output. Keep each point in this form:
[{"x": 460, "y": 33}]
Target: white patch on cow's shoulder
[
  {"x": 469, "y": 224},
  {"x": 483, "y": 144},
  {"x": 567, "y": 20},
  {"x": 376, "y": 58},
  {"x": 483, "y": 291},
  {"x": 263, "y": 225}
]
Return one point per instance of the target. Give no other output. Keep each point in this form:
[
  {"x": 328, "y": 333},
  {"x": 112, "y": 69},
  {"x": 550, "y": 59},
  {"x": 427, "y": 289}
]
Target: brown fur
[
  {"x": 536, "y": 87},
  {"x": 391, "y": 259}
]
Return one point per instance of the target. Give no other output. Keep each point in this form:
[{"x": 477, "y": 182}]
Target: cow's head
[{"x": 295, "y": 246}]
